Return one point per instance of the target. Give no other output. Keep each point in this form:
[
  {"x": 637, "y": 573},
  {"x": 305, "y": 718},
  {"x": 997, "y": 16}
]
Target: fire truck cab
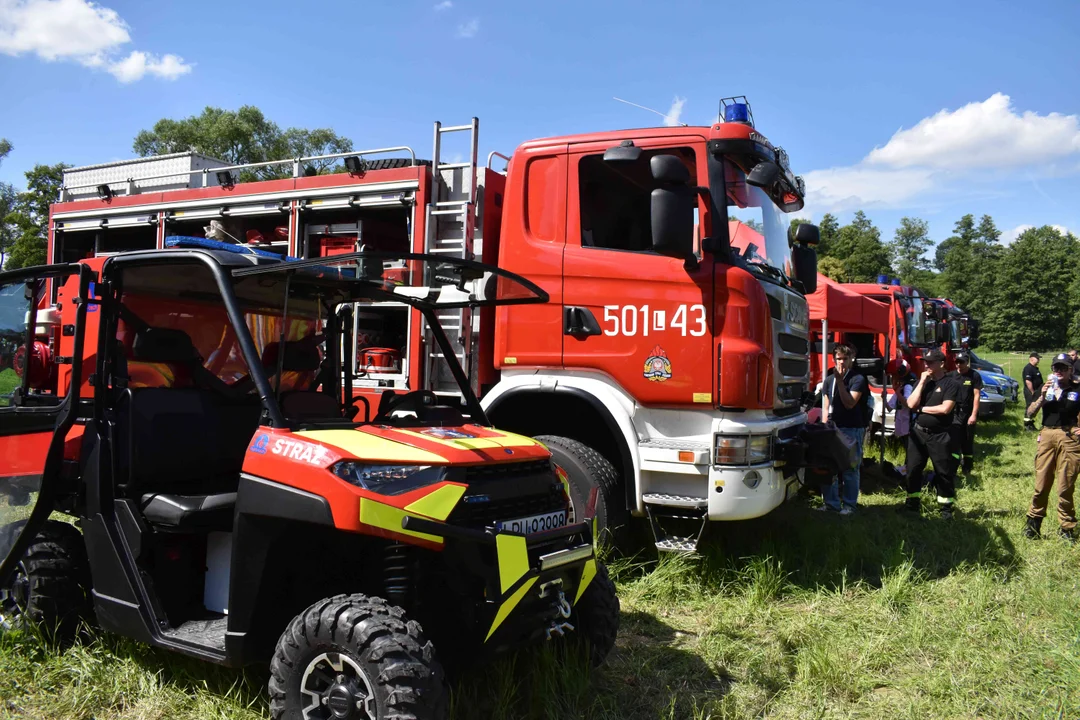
[{"x": 669, "y": 369}]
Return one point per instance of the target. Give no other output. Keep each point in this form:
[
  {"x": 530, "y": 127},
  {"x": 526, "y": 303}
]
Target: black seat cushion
[{"x": 190, "y": 512}]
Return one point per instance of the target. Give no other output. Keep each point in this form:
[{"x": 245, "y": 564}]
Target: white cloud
[
  {"x": 444, "y": 5},
  {"x": 1009, "y": 236},
  {"x": 987, "y": 134},
  {"x": 80, "y": 31},
  {"x": 138, "y": 64},
  {"x": 965, "y": 145},
  {"x": 469, "y": 29},
  {"x": 675, "y": 112},
  {"x": 858, "y": 186}
]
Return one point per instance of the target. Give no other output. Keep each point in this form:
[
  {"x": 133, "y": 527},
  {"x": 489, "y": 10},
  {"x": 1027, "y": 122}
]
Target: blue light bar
[
  {"x": 184, "y": 241},
  {"x": 896, "y": 281},
  {"x": 737, "y": 112},
  {"x": 882, "y": 279}
]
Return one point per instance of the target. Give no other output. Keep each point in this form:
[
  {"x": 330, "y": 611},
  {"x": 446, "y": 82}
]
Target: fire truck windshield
[
  {"x": 758, "y": 229},
  {"x": 920, "y": 326}
]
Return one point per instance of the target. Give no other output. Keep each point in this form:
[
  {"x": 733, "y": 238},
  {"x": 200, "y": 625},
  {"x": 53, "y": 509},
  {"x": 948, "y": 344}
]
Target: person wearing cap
[
  {"x": 967, "y": 408},
  {"x": 1058, "y": 453},
  {"x": 846, "y": 398},
  {"x": 931, "y": 437},
  {"x": 1033, "y": 380},
  {"x": 1075, "y": 357}
]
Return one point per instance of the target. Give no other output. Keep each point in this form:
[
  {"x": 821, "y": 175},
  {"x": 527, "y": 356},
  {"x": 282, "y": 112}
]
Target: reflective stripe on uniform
[
  {"x": 915, "y": 494},
  {"x": 945, "y": 500}
]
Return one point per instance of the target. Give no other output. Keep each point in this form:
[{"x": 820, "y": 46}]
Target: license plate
[{"x": 535, "y": 523}]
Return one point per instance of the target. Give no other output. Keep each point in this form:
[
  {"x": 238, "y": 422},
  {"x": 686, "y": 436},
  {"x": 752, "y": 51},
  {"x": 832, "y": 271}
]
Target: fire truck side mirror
[
  {"x": 804, "y": 266},
  {"x": 805, "y": 234},
  {"x": 672, "y": 207}
]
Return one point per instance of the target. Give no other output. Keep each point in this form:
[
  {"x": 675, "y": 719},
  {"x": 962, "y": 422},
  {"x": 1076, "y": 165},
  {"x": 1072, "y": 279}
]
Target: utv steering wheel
[{"x": 417, "y": 401}]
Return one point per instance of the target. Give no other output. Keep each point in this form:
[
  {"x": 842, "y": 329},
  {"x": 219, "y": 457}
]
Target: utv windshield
[
  {"x": 424, "y": 281},
  {"x": 757, "y": 227}
]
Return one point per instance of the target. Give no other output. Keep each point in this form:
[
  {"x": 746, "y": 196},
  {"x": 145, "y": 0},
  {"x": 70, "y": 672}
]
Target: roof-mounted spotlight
[
  {"x": 225, "y": 179},
  {"x": 105, "y": 192},
  {"x": 355, "y": 165}
]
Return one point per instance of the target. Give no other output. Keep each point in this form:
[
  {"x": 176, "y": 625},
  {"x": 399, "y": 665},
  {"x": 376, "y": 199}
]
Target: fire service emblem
[{"x": 657, "y": 365}]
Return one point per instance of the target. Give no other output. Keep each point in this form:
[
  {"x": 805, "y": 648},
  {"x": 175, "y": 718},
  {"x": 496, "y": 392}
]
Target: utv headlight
[{"x": 388, "y": 479}]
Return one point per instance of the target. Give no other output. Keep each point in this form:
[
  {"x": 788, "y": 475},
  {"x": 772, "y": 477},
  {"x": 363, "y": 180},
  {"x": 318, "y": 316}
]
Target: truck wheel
[
  {"x": 587, "y": 469},
  {"x": 49, "y": 586},
  {"x": 354, "y": 656},
  {"x": 596, "y": 616}
]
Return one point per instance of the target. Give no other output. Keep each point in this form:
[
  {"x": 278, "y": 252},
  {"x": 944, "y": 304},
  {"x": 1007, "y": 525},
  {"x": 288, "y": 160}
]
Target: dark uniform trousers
[
  {"x": 942, "y": 449},
  {"x": 965, "y": 440},
  {"x": 1058, "y": 456},
  {"x": 1029, "y": 397}
]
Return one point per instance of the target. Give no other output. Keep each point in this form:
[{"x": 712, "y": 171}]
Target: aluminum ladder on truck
[{"x": 450, "y": 231}]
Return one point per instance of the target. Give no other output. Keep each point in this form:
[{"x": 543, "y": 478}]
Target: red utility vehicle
[{"x": 668, "y": 369}]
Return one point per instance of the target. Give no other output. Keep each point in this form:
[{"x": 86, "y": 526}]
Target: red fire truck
[{"x": 668, "y": 369}]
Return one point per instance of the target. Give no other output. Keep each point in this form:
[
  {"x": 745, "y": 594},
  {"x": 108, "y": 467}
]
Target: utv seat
[
  {"x": 180, "y": 450},
  {"x": 300, "y": 364}
]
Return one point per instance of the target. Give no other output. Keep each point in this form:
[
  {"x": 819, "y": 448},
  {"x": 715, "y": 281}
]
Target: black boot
[
  {"x": 1067, "y": 534},
  {"x": 912, "y": 504},
  {"x": 947, "y": 511},
  {"x": 967, "y": 465},
  {"x": 1032, "y": 527}
]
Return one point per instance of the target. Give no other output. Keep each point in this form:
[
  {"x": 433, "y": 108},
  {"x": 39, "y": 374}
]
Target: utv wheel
[
  {"x": 587, "y": 469},
  {"x": 49, "y": 586},
  {"x": 596, "y": 616},
  {"x": 356, "y": 657}
]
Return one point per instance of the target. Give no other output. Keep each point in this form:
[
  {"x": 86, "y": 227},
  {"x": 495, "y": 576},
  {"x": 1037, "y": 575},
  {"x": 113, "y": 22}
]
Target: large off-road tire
[
  {"x": 359, "y": 656},
  {"x": 587, "y": 469},
  {"x": 596, "y": 616},
  {"x": 50, "y": 586}
]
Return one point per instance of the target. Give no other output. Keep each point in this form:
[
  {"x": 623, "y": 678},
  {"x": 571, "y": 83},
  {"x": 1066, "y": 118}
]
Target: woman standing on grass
[{"x": 1059, "y": 449}]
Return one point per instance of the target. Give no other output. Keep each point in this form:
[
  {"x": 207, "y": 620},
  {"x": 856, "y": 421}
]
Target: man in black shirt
[
  {"x": 1075, "y": 357},
  {"x": 967, "y": 408},
  {"x": 935, "y": 400},
  {"x": 846, "y": 399},
  {"x": 1059, "y": 449},
  {"x": 1033, "y": 380}
]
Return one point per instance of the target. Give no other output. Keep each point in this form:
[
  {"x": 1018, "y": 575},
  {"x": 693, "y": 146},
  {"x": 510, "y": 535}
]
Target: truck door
[
  {"x": 643, "y": 319},
  {"x": 34, "y": 418}
]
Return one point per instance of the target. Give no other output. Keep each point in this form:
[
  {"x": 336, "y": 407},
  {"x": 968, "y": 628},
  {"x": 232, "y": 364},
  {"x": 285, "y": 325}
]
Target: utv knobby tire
[
  {"x": 585, "y": 469},
  {"x": 596, "y": 616},
  {"x": 53, "y": 579},
  {"x": 399, "y": 662}
]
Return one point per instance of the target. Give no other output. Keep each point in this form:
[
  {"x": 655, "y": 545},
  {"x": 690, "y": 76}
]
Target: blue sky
[{"x": 933, "y": 109}]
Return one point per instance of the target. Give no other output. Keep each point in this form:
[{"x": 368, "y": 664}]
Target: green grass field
[{"x": 790, "y": 616}]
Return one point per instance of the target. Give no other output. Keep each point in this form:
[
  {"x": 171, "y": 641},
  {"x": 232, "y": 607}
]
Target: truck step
[
  {"x": 676, "y": 501},
  {"x": 677, "y": 522}
]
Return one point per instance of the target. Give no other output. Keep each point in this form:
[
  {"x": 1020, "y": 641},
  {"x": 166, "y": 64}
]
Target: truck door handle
[{"x": 579, "y": 322}]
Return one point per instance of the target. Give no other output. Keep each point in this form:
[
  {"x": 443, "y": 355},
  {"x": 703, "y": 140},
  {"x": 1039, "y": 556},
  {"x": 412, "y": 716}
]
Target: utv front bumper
[{"x": 531, "y": 582}]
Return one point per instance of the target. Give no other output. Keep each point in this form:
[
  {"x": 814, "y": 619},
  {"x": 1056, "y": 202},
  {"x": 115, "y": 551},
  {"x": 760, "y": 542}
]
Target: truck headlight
[
  {"x": 388, "y": 479},
  {"x": 742, "y": 449}
]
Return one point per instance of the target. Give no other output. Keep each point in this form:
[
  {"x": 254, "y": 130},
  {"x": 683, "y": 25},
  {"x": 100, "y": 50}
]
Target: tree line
[{"x": 1026, "y": 294}]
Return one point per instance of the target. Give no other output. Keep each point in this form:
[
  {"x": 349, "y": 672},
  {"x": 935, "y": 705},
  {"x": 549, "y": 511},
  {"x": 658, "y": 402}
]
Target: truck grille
[
  {"x": 792, "y": 344},
  {"x": 486, "y": 514},
  {"x": 793, "y": 368}
]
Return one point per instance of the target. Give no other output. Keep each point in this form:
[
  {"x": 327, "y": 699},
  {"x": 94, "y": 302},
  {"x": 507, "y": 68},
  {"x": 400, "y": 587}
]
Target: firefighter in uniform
[
  {"x": 967, "y": 408},
  {"x": 931, "y": 438},
  {"x": 1033, "y": 380},
  {"x": 1058, "y": 453}
]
